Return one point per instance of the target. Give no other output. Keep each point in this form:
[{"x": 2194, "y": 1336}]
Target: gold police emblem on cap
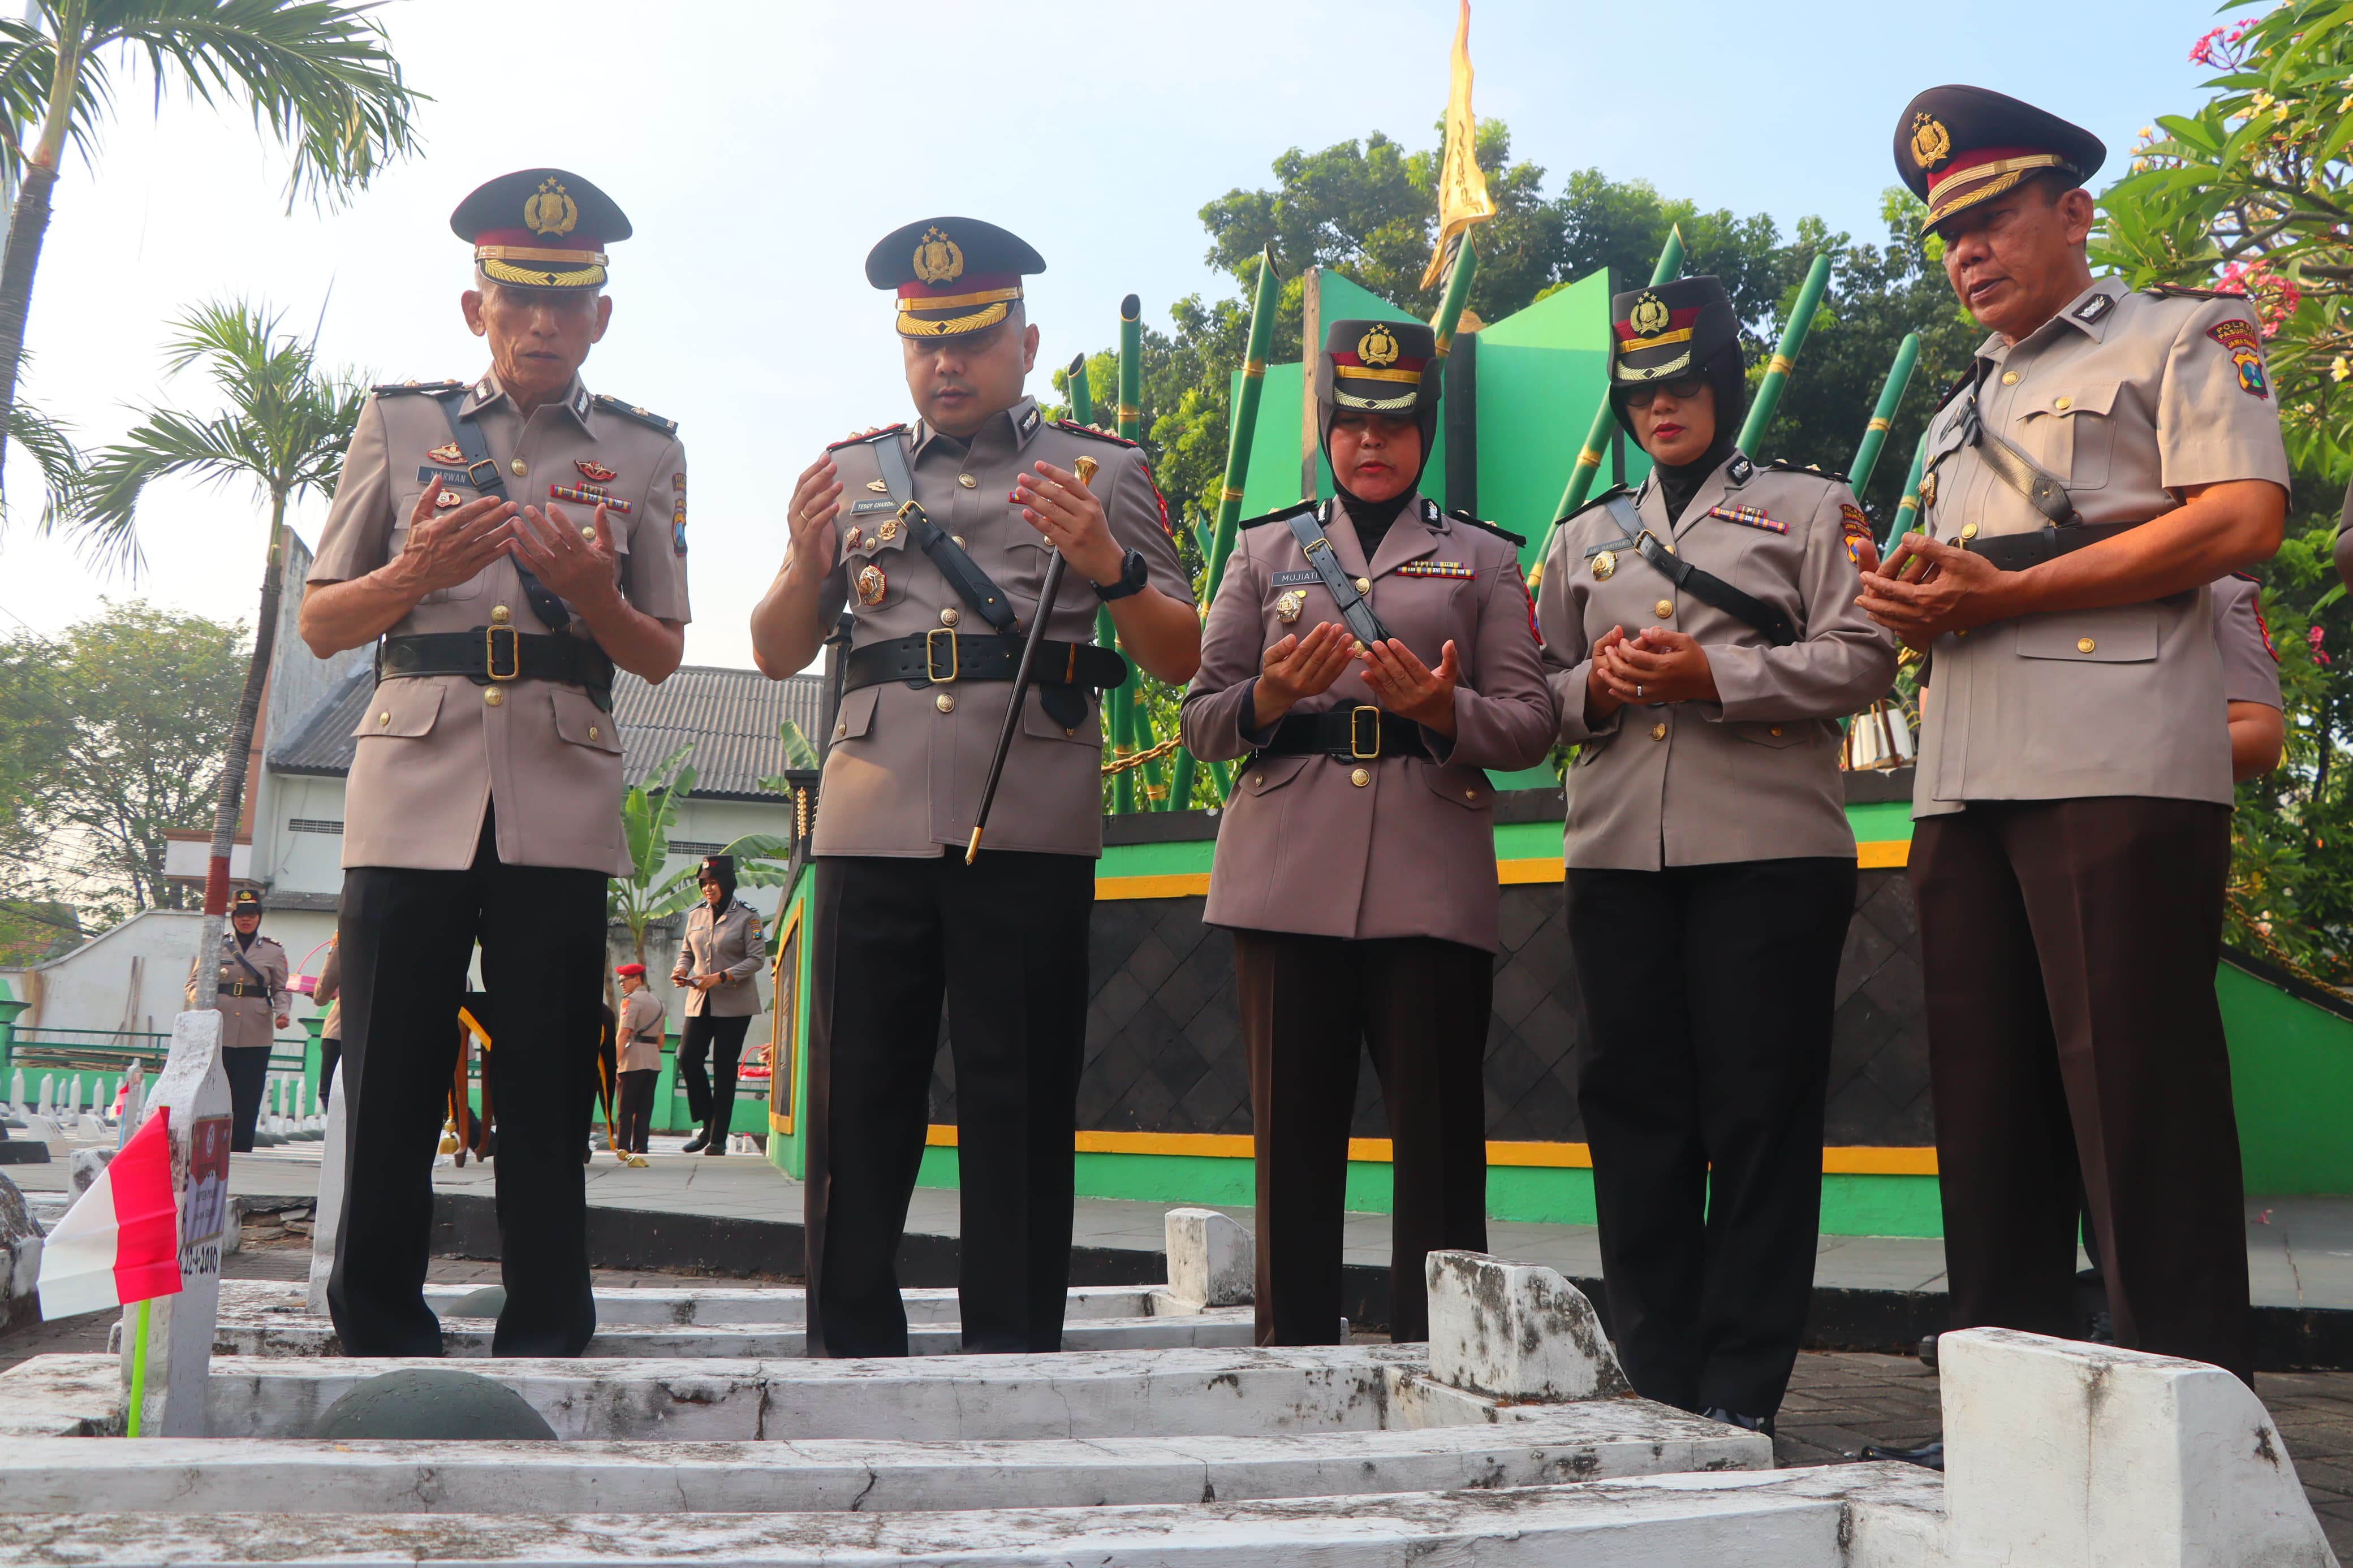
[
  {"x": 1931, "y": 142},
  {"x": 1377, "y": 348},
  {"x": 549, "y": 211},
  {"x": 1650, "y": 316},
  {"x": 938, "y": 260},
  {"x": 1605, "y": 562}
]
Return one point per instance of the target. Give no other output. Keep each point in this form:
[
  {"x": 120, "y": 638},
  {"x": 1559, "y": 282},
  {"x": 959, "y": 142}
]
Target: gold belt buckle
[
  {"x": 931, "y": 656},
  {"x": 490, "y": 653},
  {"x": 1357, "y": 717}
]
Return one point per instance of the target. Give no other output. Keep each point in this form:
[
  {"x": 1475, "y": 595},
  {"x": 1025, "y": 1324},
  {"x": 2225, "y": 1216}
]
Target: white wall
[{"x": 91, "y": 987}]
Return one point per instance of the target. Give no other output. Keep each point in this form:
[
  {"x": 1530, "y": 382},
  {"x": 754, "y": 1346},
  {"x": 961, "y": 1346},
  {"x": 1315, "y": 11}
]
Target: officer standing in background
[
  {"x": 939, "y": 533},
  {"x": 641, "y": 1047},
  {"x": 251, "y": 996},
  {"x": 719, "y": 961},
  {"x": 1368, "y": 659},
  {"x": 2109, "y": 454},
  {"x": 510, "y": 541}
]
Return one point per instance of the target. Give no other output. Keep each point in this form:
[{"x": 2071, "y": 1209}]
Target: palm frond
[{"x": 50, "y": 445}]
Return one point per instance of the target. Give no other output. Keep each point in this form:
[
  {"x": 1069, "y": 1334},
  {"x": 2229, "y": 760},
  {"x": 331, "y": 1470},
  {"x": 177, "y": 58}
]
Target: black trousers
[
  {"x": 1005, "y": 943},
  {"x": 331, "y": 1051},
  {"x": 1310, "y": 1007},
  {"x": 636, "y": 1107},
  {"x": 2073, "y": 1034},
  {"x": 407, "y": 937},
  {"x": 713, "y": 1105},
  {"x": 249, "y": 1072},
  {"x": 1707, "y": 993}
]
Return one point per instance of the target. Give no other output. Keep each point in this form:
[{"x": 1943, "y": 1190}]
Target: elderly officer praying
[
  {"x": 511, "y": 541},
  {"x": 941, "y": 532}
]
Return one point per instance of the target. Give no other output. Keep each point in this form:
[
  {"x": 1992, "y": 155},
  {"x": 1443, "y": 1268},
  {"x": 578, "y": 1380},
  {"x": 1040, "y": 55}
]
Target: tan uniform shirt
[
  {"x": 904, "y": 774},
  {"x": 2250, "y": 664},
  {"x": 1753, "y": 776},
  {"x": 641, "y": 1032},
  {"x": 328, "y": 993},
  {"x": 1397, "y": 845},
  {"x": 729, "y": 945},
  {"x": 2130, "y": 398},
  {"x": 251, "y": 1019},
  {"x": 434, "y": 751}
]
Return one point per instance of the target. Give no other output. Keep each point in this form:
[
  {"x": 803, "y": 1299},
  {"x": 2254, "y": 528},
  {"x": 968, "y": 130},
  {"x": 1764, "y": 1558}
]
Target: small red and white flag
[{"x": 121, "y": 1240}]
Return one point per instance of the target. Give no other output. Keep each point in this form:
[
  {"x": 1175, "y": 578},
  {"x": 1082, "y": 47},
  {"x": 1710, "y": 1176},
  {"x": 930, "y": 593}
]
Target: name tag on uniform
[
  {"x": 427, "y": 474},
  {"x": 1457, "y": 570},
  {"x": 866, "y": 506},
  {"x": 1749, "y": 517},
  {"x": 1286, "y": 579}
]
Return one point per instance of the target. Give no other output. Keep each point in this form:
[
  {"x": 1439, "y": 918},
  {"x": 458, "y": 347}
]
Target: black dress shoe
[
  {"x": 1927, "y": 1455},
  {"x": 1751, "y": 1423},
  {"x": 715, "y": 1145},
  {"x": 701, "y": 1136}
]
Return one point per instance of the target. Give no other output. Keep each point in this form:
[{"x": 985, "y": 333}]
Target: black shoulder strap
[
  {"x": 973, "y": 586},
  {"x": 2042, "y": 489},
  {"x": 246, "y": 963},
  {"x": 483, "y": 473},
  {"x": 1307, "y": 527},
  {"x": 1700, "y": 583}
]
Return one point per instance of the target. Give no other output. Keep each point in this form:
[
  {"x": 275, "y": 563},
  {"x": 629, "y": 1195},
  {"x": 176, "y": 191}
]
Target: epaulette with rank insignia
[
  {"x": 2183, "y": 291},
  {"x": 1484, "y": 526},
  {"x": 1814, "y": 470},
  {"x": 631, "y": 411},
  {"x": 1293, "y": 510},
  {"x": 429, "y": 388},
  {"x": 1592, "y": 501},
  {"x": 875, "y": 434},
  {"x": 1097, "y": 431}
]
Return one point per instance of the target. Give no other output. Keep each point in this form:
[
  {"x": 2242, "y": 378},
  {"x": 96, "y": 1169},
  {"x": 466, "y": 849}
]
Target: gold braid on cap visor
[
  {"x": 1983, "y": 182},
  {"x": 1374, "y": 404},
  {"x": 993, "y": 301},
  {"x": 581, "y": 269}
]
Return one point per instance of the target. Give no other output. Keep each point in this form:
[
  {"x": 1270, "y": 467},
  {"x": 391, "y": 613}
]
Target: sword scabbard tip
[{"x": 971, "y": 850}]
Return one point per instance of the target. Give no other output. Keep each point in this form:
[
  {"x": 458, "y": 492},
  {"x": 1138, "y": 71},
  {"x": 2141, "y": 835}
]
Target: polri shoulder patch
[
  {"x": 1484, "y": 526},
  {"x": 1287, "y": 513},
  {"x": 611, "y": 404},
  {"x": 2245, "y": 344},
  {"x": 862, "y": 437},
  {"x": 1097, "y": 431},
  {"x": 428, "y": 388}
]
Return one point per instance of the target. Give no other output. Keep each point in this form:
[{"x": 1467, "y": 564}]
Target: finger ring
[{"x": 1638, "y": 688}]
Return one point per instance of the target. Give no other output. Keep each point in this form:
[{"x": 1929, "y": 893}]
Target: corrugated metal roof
[{"x": 731, "y": 715}]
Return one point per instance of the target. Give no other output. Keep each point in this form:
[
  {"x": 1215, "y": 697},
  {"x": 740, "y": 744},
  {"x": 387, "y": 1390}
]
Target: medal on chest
[
  {"x": 1605, "y": 564},
  {"x": 1288, "y": 604},
  {"x": 871, "y": 584}
]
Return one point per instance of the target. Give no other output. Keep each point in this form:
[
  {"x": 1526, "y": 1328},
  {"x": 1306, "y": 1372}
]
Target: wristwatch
[{"x": 1134, "y": 572}]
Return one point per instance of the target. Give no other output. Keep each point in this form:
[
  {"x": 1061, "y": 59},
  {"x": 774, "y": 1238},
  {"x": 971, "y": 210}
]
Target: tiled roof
[{"x": 731, "y": 715}]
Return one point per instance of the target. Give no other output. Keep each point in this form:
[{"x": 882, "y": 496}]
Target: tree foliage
[{"x": 110, "y": 734}]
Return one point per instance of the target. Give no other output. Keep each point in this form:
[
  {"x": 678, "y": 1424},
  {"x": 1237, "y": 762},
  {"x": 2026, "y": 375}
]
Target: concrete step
[
  {"x": 470, "y": 1337},
  {"x": 707, "y": 1305}
]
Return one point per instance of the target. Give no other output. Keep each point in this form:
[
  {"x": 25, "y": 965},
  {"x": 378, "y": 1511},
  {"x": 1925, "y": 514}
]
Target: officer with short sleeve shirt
[
  {"x": 2108, "y": 456},
  {"x": 936, "y": 536},
  {"x": 511, "y": 541}
]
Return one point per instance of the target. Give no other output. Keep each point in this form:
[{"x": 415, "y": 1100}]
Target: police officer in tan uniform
[
  {"x": 2109, "y": 454},
  {"x": 937, "y": 534},
  {"x": 641, "y": 1032},
  {"x": 719, "y": 960},
  {"x": 1367, "y": 658},
  {"x": 1703, "y": 641},
  {"x": 511, "y": 541},
  {"x": 251, "y": 996}
]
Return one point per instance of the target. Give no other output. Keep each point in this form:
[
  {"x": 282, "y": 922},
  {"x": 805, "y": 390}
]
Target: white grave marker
[{"x": 195, "y": 1089}]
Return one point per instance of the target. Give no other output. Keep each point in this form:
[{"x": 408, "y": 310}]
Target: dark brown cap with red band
[
  {"x": 1957, "y": 146},
  {"x": 540, "y": 228},
  {"x": 953, "y": 275}
]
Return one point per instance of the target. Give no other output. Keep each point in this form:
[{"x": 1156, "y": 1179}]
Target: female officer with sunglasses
[{"x": 1701, "y": 639}]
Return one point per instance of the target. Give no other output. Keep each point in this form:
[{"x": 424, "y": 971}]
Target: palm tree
[
  {"x": 648, "y": 810},
  {"x": 318, "y": 75},
  {"x": 284, "y": 431}
]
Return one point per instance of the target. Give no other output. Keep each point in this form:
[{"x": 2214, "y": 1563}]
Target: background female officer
[
  {"x": 1703, "y": 639},
  {"x": 1357, "y": 859},
  {"x": 717, "y": 959}
]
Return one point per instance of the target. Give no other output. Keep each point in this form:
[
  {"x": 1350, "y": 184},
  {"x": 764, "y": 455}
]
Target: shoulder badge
[
  {"x": 1290, "y": 511},
  {"x": 428, "y": 388},
  {"x": 860, "y": 439},
  {"x": 1484, "y": 526},
  {"x": 2245, "y": 344},
  {"x": 1097, "y": 431},
  {"x": 631, "y": 411}
]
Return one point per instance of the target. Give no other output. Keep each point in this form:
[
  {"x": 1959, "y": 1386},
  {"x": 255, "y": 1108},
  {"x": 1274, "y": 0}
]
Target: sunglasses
[{"x": 1682, "y": 389}]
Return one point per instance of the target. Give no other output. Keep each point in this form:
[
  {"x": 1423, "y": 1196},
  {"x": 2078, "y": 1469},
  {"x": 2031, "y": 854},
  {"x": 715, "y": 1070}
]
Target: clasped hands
[
  {"x": 1656, "y": 665},
  {"x": 1299, "y": 667},
  {"x": 1053, "y": 500},
  {"x": 448, "y": 546},
  {"x": 1925, "y": 589}
]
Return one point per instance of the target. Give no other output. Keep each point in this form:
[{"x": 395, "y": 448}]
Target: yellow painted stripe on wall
[
  {"x": 1836, "y": 1161},
  {"x": 1885, "y": 854},
  {"x": 1171, "y": 885},
  {"x": 1891, "y": 854}
]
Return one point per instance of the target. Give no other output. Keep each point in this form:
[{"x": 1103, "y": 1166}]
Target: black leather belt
[
  {"x": 1351, "y": 734},
  {"x": 937, "y": 657},
  {"x": 498, "y": 653},
  {"x": 2017, "y": 552},
  {"x": 243, "y": 988}
]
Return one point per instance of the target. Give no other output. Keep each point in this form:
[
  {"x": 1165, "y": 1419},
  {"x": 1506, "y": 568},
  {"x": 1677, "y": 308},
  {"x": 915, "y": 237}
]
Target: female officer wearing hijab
[
  {"x": 717, "y": 960},
  {"x": 1367, "y": 658},
  {"x": 1703, "y": 640}
]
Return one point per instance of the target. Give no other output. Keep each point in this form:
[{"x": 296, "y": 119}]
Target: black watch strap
[{"x": 1134, "y": 571}]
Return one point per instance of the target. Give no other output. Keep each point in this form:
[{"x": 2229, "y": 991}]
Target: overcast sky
[{"x": 762, "y": 149}]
